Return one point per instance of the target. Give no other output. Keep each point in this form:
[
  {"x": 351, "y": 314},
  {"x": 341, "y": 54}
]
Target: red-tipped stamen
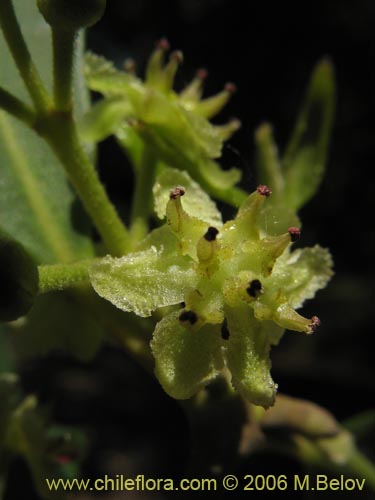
[
  {"x": 177, "y": 192},
  {"x": 314, "y": 324},
  {"x": 230, "y": 87},
  {"x": 162, "y": 44},
  {"x": 202, "y": 74},
  {"x": 177, "y": 56},
  {"x": 264, "y": 190},
  {"x": 295, "y": 233}
]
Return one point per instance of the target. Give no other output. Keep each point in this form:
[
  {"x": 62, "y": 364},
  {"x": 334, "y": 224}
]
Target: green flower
[
  {"x": 238, "y": 287},
  {"x": 174, "y": 127}
]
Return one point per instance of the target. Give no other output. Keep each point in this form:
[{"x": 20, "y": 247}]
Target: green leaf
[
  {"x": 309, "y": 270},
  {"x": 27, "y": 436},
  {"x": 186, "y": 360},
  {"x": 18, "y": 279},
  {"x": 248, "y": 356},
  {"x": 57, "y": 322},
  {"x": 36, "y": 200},
  {"x": 144, "y": 281},
  {"x": 102, "y": 76},
  {"x": 305, "y": 157},
  {"x": 196, "y": 201}
]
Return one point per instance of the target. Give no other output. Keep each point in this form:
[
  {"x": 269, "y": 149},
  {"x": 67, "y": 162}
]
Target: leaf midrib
[{"x": 31, "y": 187}]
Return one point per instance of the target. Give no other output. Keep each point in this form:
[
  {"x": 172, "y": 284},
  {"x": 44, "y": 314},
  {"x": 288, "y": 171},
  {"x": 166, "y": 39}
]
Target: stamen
[
  {"x": 295, "y": 233},
  {"x": 230, "y": 87},
  {"x": 314, "y": 324},
  {"x": 225, "y": 333},
  {"x": 211, "y": 234},
  {"x": 202, "y": 74},
  {"x": 176, "y": 192},
  {"x": 129, "y": 66},
  {"x": 162, "y": 44},
  {"x": 189, "y": 316},
  {"x": 177, "y": 56},
  {"x": 264, "y": 190},
  {"x": 254, "y": 289}
]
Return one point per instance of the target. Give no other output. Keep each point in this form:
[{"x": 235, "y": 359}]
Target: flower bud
[{"x": 72, "y": 14}]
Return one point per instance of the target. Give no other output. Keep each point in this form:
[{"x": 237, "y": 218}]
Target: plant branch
[
  {"x": 63, "y": 55},
  {"x": 60, "y": 132},
  {"x": 61, "y": 276},
  {"x": 21, "y": 56},
  {"x": 17, "y": 108},
  {"x": 145, "y": 178}
]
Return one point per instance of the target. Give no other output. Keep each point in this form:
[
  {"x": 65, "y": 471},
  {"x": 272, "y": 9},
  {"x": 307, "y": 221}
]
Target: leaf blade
[
  {"x": 304, "y": 160},
  {"x": 36, "y": 200}
]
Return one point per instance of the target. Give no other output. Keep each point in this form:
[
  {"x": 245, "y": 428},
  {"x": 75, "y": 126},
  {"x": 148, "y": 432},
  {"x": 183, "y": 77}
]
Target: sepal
[{"x": 186, "y": 360}]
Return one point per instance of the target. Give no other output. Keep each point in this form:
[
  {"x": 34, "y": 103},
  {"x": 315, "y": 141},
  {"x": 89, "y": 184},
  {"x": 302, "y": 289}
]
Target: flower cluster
[
  {"x": 174, "y": 126},
  {"x": 236, "y": 288}
]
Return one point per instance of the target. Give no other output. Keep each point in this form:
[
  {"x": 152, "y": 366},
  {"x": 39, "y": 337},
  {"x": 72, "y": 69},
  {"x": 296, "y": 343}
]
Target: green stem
[
  {"x": 355, "y": 464},
  {"x": 16, "y": 107},
  {"x": 21, "y": 56},
  {"x": 359, "y": 465},
  {"x": 62, "y": 276},
  {"x": 268, "y": 159},
  {"x": 63, "y": 55},
  {"x": 60, "y": 132},
  {"x": 142, "y": 201}
]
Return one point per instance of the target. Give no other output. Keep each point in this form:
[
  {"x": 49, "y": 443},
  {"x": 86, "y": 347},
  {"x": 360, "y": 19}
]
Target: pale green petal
[
  {"x": 104, "y": 118},
  {"x": 102, "y": 76},
  {"x": 302, "y": 273},
  {"x": 196, "y": 201},
  {"x": 179, "y": 127},
  {"x": 218, "y": 178},
  {"x": 248, "y": 357},
  {"x": 144, "y": 281},
  {"x": 186, "y": 359},
  {"x": 163, "y": 238}
]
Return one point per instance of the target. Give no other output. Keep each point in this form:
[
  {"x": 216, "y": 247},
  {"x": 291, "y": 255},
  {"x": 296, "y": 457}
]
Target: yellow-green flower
[
  {"x": 173, "y": 126},
  {"x": 238, "y": 287}
]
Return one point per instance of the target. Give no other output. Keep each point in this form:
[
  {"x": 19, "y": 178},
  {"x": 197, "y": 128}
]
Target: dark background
[{"x": 269, "y": 50}]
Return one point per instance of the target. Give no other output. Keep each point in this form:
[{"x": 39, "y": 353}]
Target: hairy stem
[
  {"x": 63, "y": 55},
  {"x": 60, "y": 132},
  {"x": 16, "y": 107},
  {"x": 62, "y": 276},
  {"x": 22, "y": 57},
  {"x": 142, "y": 201}
]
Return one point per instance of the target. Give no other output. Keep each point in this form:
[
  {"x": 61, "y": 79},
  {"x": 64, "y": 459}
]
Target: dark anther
[
  {"x": 264, "y": 190},
  {"x": 176, "y": 192},
  {"x": 188, "y": 316},
  {"x": 254, "y": 288},
  {"x": 224, "y": 330},
  {"x": 211, "y": 234},
  {"x": 295, "y": 233},
  {"x": 182, "y": 304},
  {"x": 315, "y": 324}
]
